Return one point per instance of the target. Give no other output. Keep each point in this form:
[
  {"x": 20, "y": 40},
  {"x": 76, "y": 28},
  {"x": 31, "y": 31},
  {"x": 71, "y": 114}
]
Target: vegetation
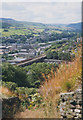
[
  {"x": 13, "y": 30},
  {"x": 15, "y": 74},
  {"x": 62, "y": 50},
  {"x": 30, "y": 76},
  {"x": 67, "y": 78},
  {"x": 44, "y": 101},
  {"x": 62, "y": 81}
]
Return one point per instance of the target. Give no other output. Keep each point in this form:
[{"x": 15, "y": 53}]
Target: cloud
[
  {"x": 0, "y": 9},
  {"x": 42, "y": 1},
  {"x": 44, "y": 12}
]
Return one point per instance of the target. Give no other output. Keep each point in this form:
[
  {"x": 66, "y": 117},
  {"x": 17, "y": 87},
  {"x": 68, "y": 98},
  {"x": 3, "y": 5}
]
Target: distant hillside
[
  {"x": 7, "y": 19},
  {"x": 9, "y": 22},
  {"x": 76, "y": 25}
]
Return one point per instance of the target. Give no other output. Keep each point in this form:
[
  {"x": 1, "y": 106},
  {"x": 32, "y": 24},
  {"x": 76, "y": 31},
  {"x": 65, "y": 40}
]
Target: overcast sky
[{"x": 49, "y": 12}]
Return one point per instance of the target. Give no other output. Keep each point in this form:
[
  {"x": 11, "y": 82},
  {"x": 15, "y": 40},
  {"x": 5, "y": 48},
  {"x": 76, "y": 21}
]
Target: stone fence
[
  {"x": 71, "y": 104},
  {"x": 10, "y": 106}
]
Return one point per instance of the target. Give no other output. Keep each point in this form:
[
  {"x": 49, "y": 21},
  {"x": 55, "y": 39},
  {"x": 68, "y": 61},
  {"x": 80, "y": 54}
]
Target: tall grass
[
  {"x": 5, "y": 91},
  {"x": 66, "y": 74},
  {"x": 66, "y": 79}
]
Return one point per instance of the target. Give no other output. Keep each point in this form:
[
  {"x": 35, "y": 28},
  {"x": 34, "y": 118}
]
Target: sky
[
  {"x": 41, "y": 0},
  {"x": 43, "y": 12}
]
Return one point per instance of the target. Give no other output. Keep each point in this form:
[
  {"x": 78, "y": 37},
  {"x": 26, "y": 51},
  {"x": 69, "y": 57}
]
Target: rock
[
  {"x": 79, "y": 102},
  {"x": 78, "y": 107},
  {"x": 80, "y": 116},
  {"x": 78, "y": 91},
  {"x": 73, "y": 114},
  {"x": 71, "y": 104},
  {"x": 69, "y": 116},
  {"x": 76, "y": 117},
  {"x": 77, "y": 110},
  {"x": 72, "y": 107}
]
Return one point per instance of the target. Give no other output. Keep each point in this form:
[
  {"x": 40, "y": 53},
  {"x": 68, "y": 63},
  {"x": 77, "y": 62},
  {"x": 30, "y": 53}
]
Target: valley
[{"x": 39, "y": 62}]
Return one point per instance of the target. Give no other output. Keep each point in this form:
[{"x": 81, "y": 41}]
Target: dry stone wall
[
  {"x": 71, "y": 104},
  {"x": 10, "y": 106}
]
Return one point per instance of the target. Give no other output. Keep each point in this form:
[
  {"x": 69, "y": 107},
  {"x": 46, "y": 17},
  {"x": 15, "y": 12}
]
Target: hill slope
[
  {"x": 8, "y": 22},
  {"x": 11, "y": 22},
  {"x": 75, "y": 25}
]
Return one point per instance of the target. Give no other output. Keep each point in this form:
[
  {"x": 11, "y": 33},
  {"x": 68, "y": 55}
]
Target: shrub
[
  {"x": 25, "y": 92},
  {"x": 34, "y": 76},
  {"x": 68, "y": 86},
  {"x": 10, "y": 85},
  {"x": 15, "y": 74}
]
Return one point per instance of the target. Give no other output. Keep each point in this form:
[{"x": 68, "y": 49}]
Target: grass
[
  {"x": 66, "y": 75},
  {"x": 21, "y": 31},
  {"x": 25, "y": 31},
  {"x": 13, "y": 31},
  {"x": 5, "y": 92},
  {"x": 30, "y": 114},
  {"x": 1, "y": 30},
  {"x": 55, "y": 31}
]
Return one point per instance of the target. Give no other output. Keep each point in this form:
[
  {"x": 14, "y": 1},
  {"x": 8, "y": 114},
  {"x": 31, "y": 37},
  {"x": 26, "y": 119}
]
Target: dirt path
[{"x": 30, "y": 114}]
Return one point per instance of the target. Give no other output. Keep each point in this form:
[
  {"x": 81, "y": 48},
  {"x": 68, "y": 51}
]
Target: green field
[
  {"x": 14, "y": 31},
  {"x": 20, "y": 31},
  {"x": 54, "y": 31}
]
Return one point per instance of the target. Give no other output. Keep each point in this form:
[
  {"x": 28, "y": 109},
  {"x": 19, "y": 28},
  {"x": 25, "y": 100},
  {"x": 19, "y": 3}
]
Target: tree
[
  {"x": 64, "y": 56},
  {"x": 55, "y": 55},
  {"x": 15, "y": 74},
  {"x": 49, "y": 55},
  {"x": 36, "y": 71}
]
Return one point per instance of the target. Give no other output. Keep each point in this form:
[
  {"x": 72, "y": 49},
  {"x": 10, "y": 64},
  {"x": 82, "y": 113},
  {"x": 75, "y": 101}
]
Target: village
[{"x": 18, "y": 52}]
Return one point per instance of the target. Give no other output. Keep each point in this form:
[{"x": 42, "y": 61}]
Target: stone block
[
  {"x": 79, "y": 107},
  {"x": 80, "y": 116},
  {"x": 77, "y": 110},
  {"x": 71, "y": 104},
  {"x": 69, "y": 116}
]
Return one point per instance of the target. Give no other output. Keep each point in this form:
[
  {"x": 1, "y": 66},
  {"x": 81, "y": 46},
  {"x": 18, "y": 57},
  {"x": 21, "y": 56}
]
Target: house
[
  {"x": 30, "y": 54},
  {"x": 23, "y": 50}
]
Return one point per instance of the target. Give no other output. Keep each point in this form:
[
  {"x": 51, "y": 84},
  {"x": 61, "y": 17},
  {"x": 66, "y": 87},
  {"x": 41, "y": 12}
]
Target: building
[{"x": 17, "y": 60}]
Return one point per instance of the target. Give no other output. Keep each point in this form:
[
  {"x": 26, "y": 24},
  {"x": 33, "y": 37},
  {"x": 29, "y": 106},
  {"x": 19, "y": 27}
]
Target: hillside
[
  {"x": 9, "y": 22},
  {"x": 76, "y": 25}
]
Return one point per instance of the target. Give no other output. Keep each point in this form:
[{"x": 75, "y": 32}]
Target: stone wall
[
  {"x": 10, "y": 106},
  {"x": 71, "y": 104}
]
